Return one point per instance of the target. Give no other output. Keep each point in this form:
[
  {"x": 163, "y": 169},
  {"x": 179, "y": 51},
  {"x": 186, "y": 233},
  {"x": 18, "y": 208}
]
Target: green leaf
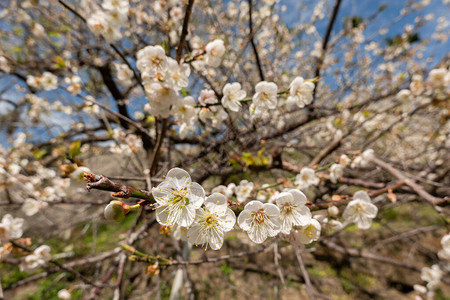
[
  {"x": 74, "y": 148},
  {"x": 39, "y": 153}
]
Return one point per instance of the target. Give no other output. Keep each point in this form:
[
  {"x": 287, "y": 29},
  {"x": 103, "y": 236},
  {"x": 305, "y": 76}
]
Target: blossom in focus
[
  {"x": 177, "y": 199},
  {"x": 260, "y": 221},
  {"x": 232, "y": 95},
  {"x": 265, "y": 96},
  {"x": 293, "y": 211},
  {"x": 211, "y": 222},
  {"x": 214, "y": 52},
  {"x": 306, "y": 178},
  {"x": 243, "y": 190},
  {"x": 360, "y": 210},
  {"x": 300, "y": 92}
]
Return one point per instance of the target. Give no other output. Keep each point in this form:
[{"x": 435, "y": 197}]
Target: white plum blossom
[
  {"x": 35, "y": 260},
  {"x": 403, "y": 95},
  {"x": 211, "y": 222},
  {"x": 160, "y": 97},
  {"x": 445, "y": 252},
  {"x": 293, "y": 211},
  {"x": 106, "y": 25},
  {"x": 439, "y": 77},
  {"x": 184, "y": 110},
  {"x": 31, "y": 207},
  {"x": 227, "y": 191},
  {"x": 38, "y": 30},
  {"x": 265, "y": 96},
  {"x": 360, "y": 210},
  {"x": 180, "y": 233},
  {"x": 77, "y": 177},
  {"x": 48, "y": 81},
  {"x": 308, "y": 233},
  {"x": 10, "y": 228},
  {"x": 344, "y": 160},
  {"x": 151, "y": 60},
  {"x": 74, "y": 83},
  {"x": 306, "y": 178},
  {"x": 214, "y": 52},
  {"x": 432, "y": 276},
  {"x": 177, "y": 198},
  {"x": 207, "y": 97},
  {"x": 177, "y": 75},
  {"x": 300, "y": 93},
  {"x": 215, "y": 114},
  {"x": 124, "y": 74},
  {"x": 362, "y": 161},
  {"x": 232, "y": 95},
  {"x": 243, "y": 190},
  {"x": 260, "y": 221},
  {"x": 336, "y": 171}
]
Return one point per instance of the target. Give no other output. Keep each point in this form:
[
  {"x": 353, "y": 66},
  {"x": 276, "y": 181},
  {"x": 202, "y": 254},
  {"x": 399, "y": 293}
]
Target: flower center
[
  {"x": 259, "y": 216},
  {"x": 180, "y": 197},
  {"x": 155, "y": 60},
  {"x": 309, "y": 231},
  {"x": 287, "y": 208},
  {"x": 210, "y": 220}
]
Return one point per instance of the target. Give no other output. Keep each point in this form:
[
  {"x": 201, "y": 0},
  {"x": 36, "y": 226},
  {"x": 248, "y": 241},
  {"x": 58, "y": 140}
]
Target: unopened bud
[
  {"x": 116, "y": 211},
  {"x": 333, "y": 211}
]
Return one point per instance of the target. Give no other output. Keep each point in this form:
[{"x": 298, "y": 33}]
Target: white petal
[
  {"x": 361, "y": 195},
  {"x": 244, "y": 220},
  {"x": 299, "y": 197},
  {"x": 254, "y": 205}
]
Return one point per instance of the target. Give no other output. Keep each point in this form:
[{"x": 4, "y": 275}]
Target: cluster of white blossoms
[
  {"x": 38, "y": 258},
  {"x": 74, "y": 84},
  {"x": 47, "y": 81},
  {"x": 362, "y": 161},
  {"x": 432, "y": 276},
  {"x": 163, "y": 79},
  {"x": 181, "y": 202},
  {"x": 107, "y": 21},
  {"x": 126, "y": 143}
]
